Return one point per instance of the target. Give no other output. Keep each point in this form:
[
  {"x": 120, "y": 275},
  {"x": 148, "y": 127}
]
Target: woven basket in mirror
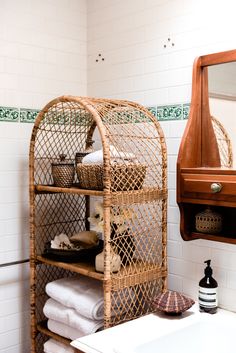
[
  {"x": 208, "y": 221},
  {"x": 63, "y": 172},
  {"x": 224, "y": 143}
]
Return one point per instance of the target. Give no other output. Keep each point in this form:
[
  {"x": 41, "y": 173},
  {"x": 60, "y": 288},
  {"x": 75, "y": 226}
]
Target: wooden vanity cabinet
[{"x": 201, "y": 179}]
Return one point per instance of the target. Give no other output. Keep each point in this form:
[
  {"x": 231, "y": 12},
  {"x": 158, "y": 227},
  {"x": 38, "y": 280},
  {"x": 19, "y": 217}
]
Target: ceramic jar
[{"x": 115, "y": 262}]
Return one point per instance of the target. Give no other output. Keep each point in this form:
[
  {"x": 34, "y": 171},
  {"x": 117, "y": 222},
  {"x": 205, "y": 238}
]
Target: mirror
[
  {"x": 222, "y": 103},
  {"x": 201, "y": 145},
  {"x": 206, "y": 165}
]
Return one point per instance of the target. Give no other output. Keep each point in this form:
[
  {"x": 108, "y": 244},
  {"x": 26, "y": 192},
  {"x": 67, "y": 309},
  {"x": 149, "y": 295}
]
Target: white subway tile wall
[
  {"x": 148, "y": 48},
  {"x": 43, "y": 51},
  {"x": 43, "y": 54},
  {"x": 142, "y": 50}
]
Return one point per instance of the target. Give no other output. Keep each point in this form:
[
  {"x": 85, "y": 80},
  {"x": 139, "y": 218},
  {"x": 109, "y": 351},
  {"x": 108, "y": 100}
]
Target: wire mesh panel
[{"x": 130, "y": 182}]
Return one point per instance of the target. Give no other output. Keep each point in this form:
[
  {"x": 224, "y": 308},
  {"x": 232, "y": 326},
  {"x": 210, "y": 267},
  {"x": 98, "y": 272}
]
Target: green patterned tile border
[
  {"x": 28, "y": 115},
  {"x": 162, "y": 113},
  {"x": 186, "y": 109},
  {"x": 16, "y": 115},
  {"x": 170, "y": 112},
  {"x": 9, "y": 114},
  {"x": 153, "y": 110}
]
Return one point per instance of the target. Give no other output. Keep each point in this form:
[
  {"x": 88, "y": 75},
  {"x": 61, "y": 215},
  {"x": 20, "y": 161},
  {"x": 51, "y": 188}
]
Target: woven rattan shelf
[
  {"x": 81, "y": 268},
  {"x": 42, "y": 327},
  {"x": 120, "y": 197},
  {"x": 130, "y": 275},
  {"x": 73, "y": 190},
  {"x": 133, "y": 184}
]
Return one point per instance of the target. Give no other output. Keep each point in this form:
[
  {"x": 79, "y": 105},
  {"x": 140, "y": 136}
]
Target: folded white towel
[
  {"x": 68, "y": 316},
  {"x": 64, "y": 330},
  {"x": 116, "y": 156},
  {"x": 119, "y": 154},
  {"x": 53, "y": 346},
  {"x": 83, "y": 294}
]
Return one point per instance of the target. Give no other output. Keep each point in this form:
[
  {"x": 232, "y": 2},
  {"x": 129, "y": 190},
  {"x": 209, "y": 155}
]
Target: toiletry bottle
[{"x": 208, "y": 291}]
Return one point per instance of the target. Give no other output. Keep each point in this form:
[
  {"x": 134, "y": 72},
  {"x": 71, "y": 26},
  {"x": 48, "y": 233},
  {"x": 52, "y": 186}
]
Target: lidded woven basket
[
  {"x": 208, "y": 221},
  {"x": 172, "y": 303},
  {"x": 63, "y": 172}
]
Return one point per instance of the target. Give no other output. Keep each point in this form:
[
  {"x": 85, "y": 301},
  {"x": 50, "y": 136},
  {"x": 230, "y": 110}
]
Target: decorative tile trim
[
  {"x": 22, "y": 115},
  {"x": 9, "y": 114},
  {"x": 153, "y": 110},
  {"x": 28, "y": 115},
  {"x": 171, "y": 112},
  {"x": 186, "y": 110},
  {"x": 162, "y": 113}
]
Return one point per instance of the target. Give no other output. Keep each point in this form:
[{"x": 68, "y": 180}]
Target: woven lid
[
  {"x": 209, "y": 213},
  {"x": 63, "y": 161},
  {"x": 172, "y": 302}
]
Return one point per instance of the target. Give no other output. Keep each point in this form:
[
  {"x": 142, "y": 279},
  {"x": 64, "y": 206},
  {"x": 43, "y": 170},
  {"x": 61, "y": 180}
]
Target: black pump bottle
[{"x": 208, "y": 300}]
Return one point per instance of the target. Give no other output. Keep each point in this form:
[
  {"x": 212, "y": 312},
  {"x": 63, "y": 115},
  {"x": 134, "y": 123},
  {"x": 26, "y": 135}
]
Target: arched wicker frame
[
  {"x": 67, "y": 125},
  {"x": 224, "y": 143}
]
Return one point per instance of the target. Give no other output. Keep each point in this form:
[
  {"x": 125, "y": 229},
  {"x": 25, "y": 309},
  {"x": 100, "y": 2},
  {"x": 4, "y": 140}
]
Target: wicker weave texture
[
  {"x": 224, "y": 144},
  {"x": 136, "y": 188}
]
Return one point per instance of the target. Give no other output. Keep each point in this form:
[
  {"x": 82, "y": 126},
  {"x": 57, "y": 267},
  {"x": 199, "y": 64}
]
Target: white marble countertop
[{"x": 142, "y": 334}]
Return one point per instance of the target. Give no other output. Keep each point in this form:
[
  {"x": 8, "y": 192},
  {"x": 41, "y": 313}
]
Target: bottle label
[{"x": 208, "y": 297}]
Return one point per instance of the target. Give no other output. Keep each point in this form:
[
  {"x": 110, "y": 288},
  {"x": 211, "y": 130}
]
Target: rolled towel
[
  {"x": 53, "y": 346},
  {"x": 68, "y": 316},
  {"x": 116, "y": 156},
  {"x": 83, "y": 294},
  {"x": 64, "y": 330},
  {"x": 121, "y": 155},
  {"x": 93, "y": 158}
]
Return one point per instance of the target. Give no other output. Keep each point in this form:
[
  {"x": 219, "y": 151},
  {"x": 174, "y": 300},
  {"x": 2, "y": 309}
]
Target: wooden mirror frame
[{"x": 198, "y": 152}]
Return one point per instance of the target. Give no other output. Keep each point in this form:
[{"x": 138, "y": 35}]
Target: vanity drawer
[{"x": 201, "y": 185}]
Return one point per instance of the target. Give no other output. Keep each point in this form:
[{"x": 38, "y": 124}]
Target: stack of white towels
[
  {"x": 75, "y": 308},
  {"x": 52, "y": 346}
]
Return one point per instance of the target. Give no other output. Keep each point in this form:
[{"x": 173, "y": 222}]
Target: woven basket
[
  {"x": 79, "y": 156},
  {"x": 123, "y": 176},
  {"x": 63, "y": 173},
  {"x": 208, "y": 221}
]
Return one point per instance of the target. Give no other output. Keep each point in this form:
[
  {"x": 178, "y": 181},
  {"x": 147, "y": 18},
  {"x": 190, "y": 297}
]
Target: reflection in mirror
[{"x": 222, "y": 100}]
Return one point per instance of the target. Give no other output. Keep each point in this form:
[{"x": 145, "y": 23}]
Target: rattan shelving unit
[{"x": 67, "y": 125}]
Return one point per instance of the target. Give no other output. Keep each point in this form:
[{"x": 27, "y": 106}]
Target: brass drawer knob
[{"x": 216, "y": 187}]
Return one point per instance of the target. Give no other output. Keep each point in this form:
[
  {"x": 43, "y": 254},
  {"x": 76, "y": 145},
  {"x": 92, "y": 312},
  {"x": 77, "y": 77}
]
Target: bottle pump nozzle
[{"x": 208, "y": 270}]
